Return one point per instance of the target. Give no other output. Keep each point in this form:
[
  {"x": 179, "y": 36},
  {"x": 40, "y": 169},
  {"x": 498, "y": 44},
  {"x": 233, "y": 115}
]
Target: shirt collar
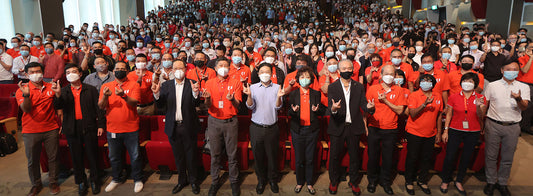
[
  {"x": 176, "y": 82},
  {"x": 262, "y": 85}
]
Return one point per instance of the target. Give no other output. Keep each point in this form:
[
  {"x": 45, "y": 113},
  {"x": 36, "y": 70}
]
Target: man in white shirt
[
  {"x": 6, "y": 62},
  {"x": 21, "y": 61},
  {"x": 507, "y": 99}
]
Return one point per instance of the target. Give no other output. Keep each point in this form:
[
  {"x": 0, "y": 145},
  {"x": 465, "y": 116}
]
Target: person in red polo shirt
[
  {"x": 389, "y": 102},
  {"x": 423, "y": 130},
  {"x": 442, "y": 86},
  {"x": 396, "y": 61},
  {"x": 39, "y": 126},
  {"x": 454, "y": 77},
  {"x": 526, "y": 76},
  {"x": 144, "y": 78},
  {"x": 223, "y": 96},
  {"x": 119, "y": 98}
]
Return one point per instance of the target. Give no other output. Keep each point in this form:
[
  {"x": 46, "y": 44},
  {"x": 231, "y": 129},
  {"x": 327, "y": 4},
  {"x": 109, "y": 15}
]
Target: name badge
[
  {"x": 113, "y": 135},
  {"x": 220, "y": 104},
  {"x": 465, "y": 125}
]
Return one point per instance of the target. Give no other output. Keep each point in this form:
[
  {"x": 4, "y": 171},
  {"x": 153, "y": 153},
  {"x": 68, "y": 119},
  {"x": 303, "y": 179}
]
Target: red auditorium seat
[
  {"x": 8, "y": 90},
  {"x": 146, "y": 125},
  {"x": 158, "y": 149}
]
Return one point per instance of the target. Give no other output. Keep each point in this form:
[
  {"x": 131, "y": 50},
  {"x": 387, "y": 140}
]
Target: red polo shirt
[{"x": 42, "y": 117}]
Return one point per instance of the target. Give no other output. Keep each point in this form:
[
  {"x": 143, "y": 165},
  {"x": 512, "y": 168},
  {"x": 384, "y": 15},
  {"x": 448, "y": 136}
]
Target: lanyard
[
  {"x": 466, "y": 105},
  {"x": 222, "y": 87}
]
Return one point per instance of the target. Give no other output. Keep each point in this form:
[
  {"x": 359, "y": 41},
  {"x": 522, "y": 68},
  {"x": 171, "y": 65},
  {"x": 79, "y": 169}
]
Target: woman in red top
[
  {"x": 372, "y": 72},
  {"x": 463, "y": 116}
]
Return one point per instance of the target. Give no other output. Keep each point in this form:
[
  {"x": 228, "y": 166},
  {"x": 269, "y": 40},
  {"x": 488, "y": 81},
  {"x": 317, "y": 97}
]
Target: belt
[
  {"x": 264, "y": 126},
  {"x": 503, "y": 123},
  {"x": 179, "y": 122},
  {"x": 347, "y": 124},
  {"x": 144, "y": 105}
]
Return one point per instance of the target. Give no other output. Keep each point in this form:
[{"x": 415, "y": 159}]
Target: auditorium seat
[{"x": 158, "y": 149}]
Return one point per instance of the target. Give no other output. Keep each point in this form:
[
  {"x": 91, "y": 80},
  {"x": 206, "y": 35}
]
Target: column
[
  {"x": 52, "y": 17},
  {"x": 508, "y": 18}
]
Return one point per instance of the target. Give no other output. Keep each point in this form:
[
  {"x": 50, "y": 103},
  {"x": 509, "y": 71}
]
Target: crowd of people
[{"x": 381, "y": 78}]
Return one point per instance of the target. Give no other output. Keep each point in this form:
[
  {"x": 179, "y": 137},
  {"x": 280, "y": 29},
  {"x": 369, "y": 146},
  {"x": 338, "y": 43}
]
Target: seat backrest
[
  {"x": 158, "y": 131},
  {"x": 8, "y": 90},
  {"x": 244, "y": 127}
]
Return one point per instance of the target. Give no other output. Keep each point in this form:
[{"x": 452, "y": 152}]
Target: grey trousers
[
  {"x": 33, "y": 144},
  {"x": 507, "y": 136},
  {"x": 223, "y": 135}
]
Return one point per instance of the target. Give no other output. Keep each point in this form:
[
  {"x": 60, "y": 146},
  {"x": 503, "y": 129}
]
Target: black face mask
[
  {"x": 61, "y": 47},
  {"x": 411, "y": 55},
  {"x": 346, "y": 75},
  {"x": 250, "y": 49},
  {"x": 197, "y": 51},
  {"x": 98, "y": 51},
  {"x": 298, "y": 50},
  {"x": 466, "y": 66},
  {"x": 120, "y": 74},
  {"x": 396, "y": 44},
  {"x": 351, "y": 57},
  {"x": 198, "y": 63}
]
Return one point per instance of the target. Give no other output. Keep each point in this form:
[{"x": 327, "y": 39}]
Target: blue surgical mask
[
  {"x": 342, "y": 47},
  {"x": 329, "y": 54},
  {"x": 451, "y": 41},
  {"x": 167, "y": 45},
  {"x": 130, "y": 58},
  {"x": 166, "y": 64},
  {"x": 288, "y": 51},
  {"x": 36, "y": 43},
  {"x": 388, "y": 45},
  {"x": 156, "y": 56},
  {"x": 49, "y": 50},
  {"x": 24, "y": 52},
  {"x": 426, "y": 86},
  {"x": 473, "y": 47},
  {"x": 428, "y": 66},
  {"x": 158, "y": 39},
  {"x": 236, "y": 59},
  {"x": 466, "y": 40},
  {"x": 332, "y": 68},
  {"x": 446, "y": 55},
  {"x": 304, "y": 82},
  {"x": 176, "y": 38},
  {"x": 398, "y": 81},
  {"x": 205, "y": 45},
  {"x": 139, "y": 44},
  {"x": 175, "y": 55},
  {"x": 396, "y": 61},
  {"x": 510, "y": 75}
]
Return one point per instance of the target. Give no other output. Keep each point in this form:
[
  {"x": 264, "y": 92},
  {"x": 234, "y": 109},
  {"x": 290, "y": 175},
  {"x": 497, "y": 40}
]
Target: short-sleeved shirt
[
  {"x": 449, "y": 68},
  {"x": 385, "y": 117},
  {"x": 305, "y": 108},
  {"x": 121, "y": 117},
  {"x": 457, "y": 102},
  {"x": 442, "y": 81},
  {"x": 42, "y": 117},
  {"x": 242, "y": 72},
  {"x": 454, "y": 79},
  {"x": 425, "y": 123},
  {"x": 196, "y": 74},
  {"x": 525, "y": 77},
  {"x": 95, "y": 80},
  {"x": 37, "y": 51},
  {"x": 410, "y": 75},
  {"x": 6, "y": 74},
  {"x": 221, "y": 107},
  {"x": 321, "y": 82},
  {"x": 146, "y": 86},
  {"x": 296, "y": 85},
  {"x": 502, "y": 106}
]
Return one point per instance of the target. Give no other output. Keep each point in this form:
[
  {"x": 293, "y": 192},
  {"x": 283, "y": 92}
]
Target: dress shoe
[
  {"x": 213, "y": 190},
  {"x": 355, "y": 189},
  {"x": 371, "y": 188},
  {"x": 274, "y": 187},
  {"x": 178, "y": 188},
  {"x": 311, "y": 190},
  {"x": 424, "y": 188},
  {"x": 297, "y": 189},
  {"x": 235, "y": 189},
  {"x": 388, "y": 190},
  {"x": 410, "y": 191},
  {"x": 504, "y": 191},
  {"x": 463, "y": 192},
  {"x": 195, "y": 189},
  {"x": 333, "y": 188},
  {"x": 35, "y": 190},
  {"x": 54, "y": 188},
  {"x": 260, "y": 188},
  {"x": 443, "y": 190},
  {"x": 489, "y": 189},
  {"x": 82, "y": 189},
  {"x": 95, "y": 188}
]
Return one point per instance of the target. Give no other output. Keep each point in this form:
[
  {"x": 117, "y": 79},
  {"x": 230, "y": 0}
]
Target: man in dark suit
[
  {"x": 83, "y": 122},
  {"x": 346, "y": 100},
  {"x": 181, "y": 96}
]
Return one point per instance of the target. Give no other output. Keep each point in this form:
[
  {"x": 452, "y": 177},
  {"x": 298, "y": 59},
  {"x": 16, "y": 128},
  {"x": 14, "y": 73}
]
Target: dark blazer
[
  {"x": 358, "y": 102},
  {"x": 93, "y": 116},
  {"x": 314, "y": 99},
  {"x": 167, "y": 97}
]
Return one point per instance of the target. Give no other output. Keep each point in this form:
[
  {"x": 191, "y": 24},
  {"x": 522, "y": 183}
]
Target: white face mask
[
  {"x": 269, "y": 60},
  {"x": 467, "y": 86},
  {"x": 179, "y": 74},
  {"x": 264, "y": 77},
  {"x": 223, "y": 71},
  {"x": 36, "y": 78},
  {"x": 140, "y": 65},
  {"x": 387, "y": 79},
  {"x": 72, "y": 77}
]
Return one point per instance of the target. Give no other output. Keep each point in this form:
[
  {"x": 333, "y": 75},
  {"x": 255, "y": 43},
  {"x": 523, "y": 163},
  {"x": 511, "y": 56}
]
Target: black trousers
[
  {"x": 83, "y": 145},
  {"x": 419, "y": 154},
  {"x": 304, "y": 144},
  {"x": 455, "y": 138},
  {"x": 265, "y": 148},
  {"x": 336, "y": 154},
  {"x": 381, "y": 142},
  {"x": 183, "y": 144}
]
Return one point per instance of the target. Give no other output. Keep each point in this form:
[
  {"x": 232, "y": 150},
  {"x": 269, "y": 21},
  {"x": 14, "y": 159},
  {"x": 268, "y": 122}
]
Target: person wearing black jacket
[
  {"x": 305, "y": 107},
  {"x": 181, "y": 97},
  {"x": 83, "y": 122},
  {"x": 346, "y": 100}
]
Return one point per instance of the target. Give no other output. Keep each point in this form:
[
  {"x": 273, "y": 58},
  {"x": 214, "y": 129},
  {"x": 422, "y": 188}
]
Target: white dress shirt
[
  {"x": 179, "y": 93},
  {"x": 347, "y": 98},
  {"x": 19, "y": 63},
  {"x": 502, "y": 106}
]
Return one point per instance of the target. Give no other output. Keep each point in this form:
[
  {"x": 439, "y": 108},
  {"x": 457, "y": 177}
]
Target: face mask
[
  {"x": 236, "y": 60},
  {"x": 15, "y": 45},
  {"x": 264, "y": 77},
  {"x": 298, "y": 67},
  {"x": 158, "y": 39},
  {"x": 481, "y": 33},
  {"x": 120, "y": 74},
  {"x": 379, "y": 44},
  {"x": 387, "y": 79},
  {"x": 451, "y": 41},
  {"x": 140, "y": 65},
  {"x": 396, "y": 61},
  {"x": 24, "y": 52},
  {"x": 398, "y": 81},
  {"x": 427, "y": 67},
  {"x": 166, "y": 64},
  {"x": 216, "y": 44},
  {"x": 299, "y": 50},
  {"x": 27, "y": 36},
  {"x": 304, "y": 82},
  {"x": 350, "y": 57},
  {"x": 510, "y": 75},
  {"x": 140, "y": 44},
  {"x": 342, "y": 47},
  {"x": 419, "y": 48},
  {"x": 332, "y": 68},
  {"x": 473, "y": 47},
  {"x": 36, "y": 43},
  {"x": 176, "y": 38},
  {"x": 426, "y": 86},
  {"x": 130, "y": 57},
  {"x": 346, "y": 74},
  {"x": 187, "y": 44},
  {"x": 467, "y": 86},
  {"x": 288, "y": 51},
  {"x": 411, "y": 55},
  {"x": 466, "y": 66},
  {"x": 329, "y": 54},
  {"x": 371, "y": 51},
  {"x": 523, "y": 40},
  {"x": 310, "y": 42},
  {"x": 36, "y": 78},
  {"x": 175, "y": 55},
  {"x": 72, "y": 44},
  {"x": 222, "y": 71},
  {"x": 227, "y": 44},
  {"x": 142, "y": 33},
  {"x": 179, "y": 74},
  {"x": 269, "y": 60},
  {"x": 72, "y": 77},
  {"x": 495, "y": 48},
  {"x": 99, "y": 68},
  {"x": 198, "y": 63},
  {"x": 205, "y": 45},
  {"x": 396, "y": 44},
  {"x": 49, "y": 50},
  {"x": 446, "y": 55},
  {"x": 156, "y": 56},
  {"x": 388, "y": 45}
]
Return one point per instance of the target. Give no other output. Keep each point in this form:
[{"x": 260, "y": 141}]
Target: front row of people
[{"x": 85, "y": 114}]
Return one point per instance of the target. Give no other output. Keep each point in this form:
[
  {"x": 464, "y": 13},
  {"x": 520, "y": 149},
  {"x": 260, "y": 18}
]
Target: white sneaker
[
  {"x": 138, "y": 187},
  {"x": 111, "y": 186}
]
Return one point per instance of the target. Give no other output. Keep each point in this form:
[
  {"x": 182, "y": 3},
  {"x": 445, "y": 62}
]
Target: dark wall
[{"x": 52, "y": 16}]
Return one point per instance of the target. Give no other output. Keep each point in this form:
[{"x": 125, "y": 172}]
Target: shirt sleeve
[
  {"x": 526, "y": 93},
  {"x": 135, "y": 92},
  {"x": 238, "y": 91}
]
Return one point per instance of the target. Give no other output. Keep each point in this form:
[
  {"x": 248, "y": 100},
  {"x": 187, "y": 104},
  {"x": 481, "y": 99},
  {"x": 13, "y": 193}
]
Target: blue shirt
[{"x": 264, "y": 110}]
